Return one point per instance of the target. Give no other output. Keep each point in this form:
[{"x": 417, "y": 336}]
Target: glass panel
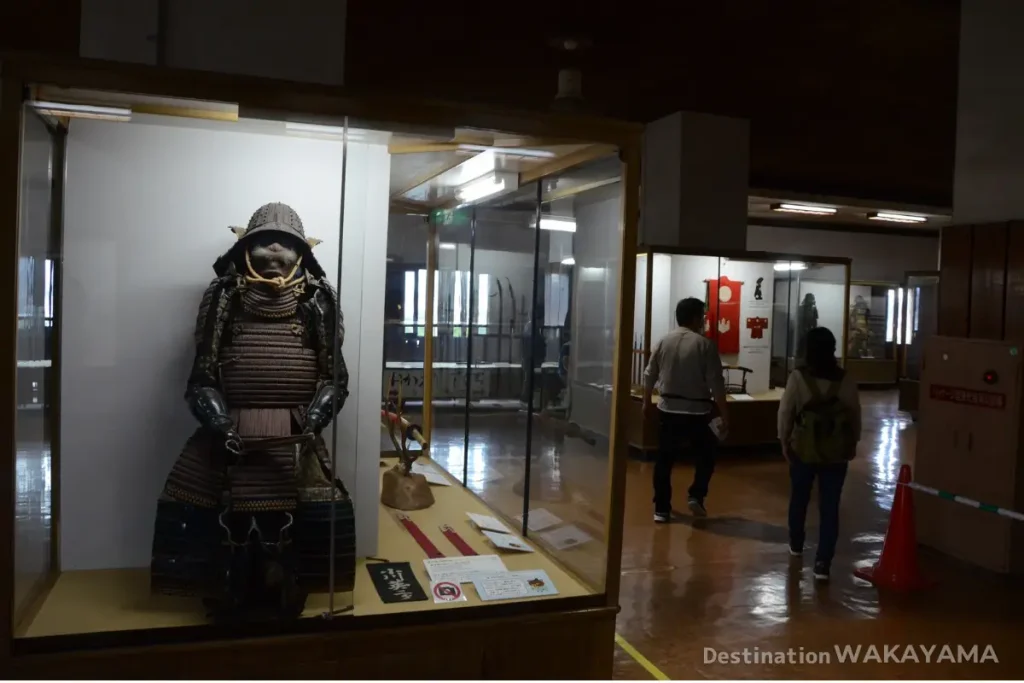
[
  {"x": 162, "y": 498},
  {"x": 641, "y": 347},
  {"x": 36, "y": 422},
  {"x": 922, "y": 297},
  {"x": 454, "y": 385},
  {"x": 875, "y": 313},
  {"x": 576, "y": 309},
  {"x": 820, "y": 290},
  {"x": 750, "y": 310}
]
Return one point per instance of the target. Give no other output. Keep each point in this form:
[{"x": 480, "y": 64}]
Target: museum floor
[{"x": 728, "y": 583}]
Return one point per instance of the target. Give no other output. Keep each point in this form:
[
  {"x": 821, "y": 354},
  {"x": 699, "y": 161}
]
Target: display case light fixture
[
  {"x": 896, "y": 217},
  {"x": 568, "y": 261},
  {"x": 83, "y": 111},
  {"x": 805, "y": 208},
  {"x": 446, "y": 245},
  {"x": 557, "y": 223},
  {"x": 790, "y": 265},
  {"x": 510, "y": 151},
  {"x": 488, "y": 185}
]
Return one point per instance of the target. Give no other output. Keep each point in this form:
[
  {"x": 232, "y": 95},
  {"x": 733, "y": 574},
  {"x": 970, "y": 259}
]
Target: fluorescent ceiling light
[
  {"x": 569, "y": 261},
  {"x": 558, "y": 223},
  {"x": 486, "y": 186},
  {"x": 446, "y": 245},
  {"x": 805, "y": 208},
  {"x": 790, "y": 265},
  {"x": 83, "y": 111},
  {"x": 510, "y": 151},
  {"x": 896, "y": 217}
]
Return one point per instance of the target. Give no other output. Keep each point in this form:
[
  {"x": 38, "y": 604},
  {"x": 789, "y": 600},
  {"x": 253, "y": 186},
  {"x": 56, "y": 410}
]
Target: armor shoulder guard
[{"x": 212, "y": 299}]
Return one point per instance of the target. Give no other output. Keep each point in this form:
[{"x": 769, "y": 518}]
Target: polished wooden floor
[{"x": 728, "y": 584}]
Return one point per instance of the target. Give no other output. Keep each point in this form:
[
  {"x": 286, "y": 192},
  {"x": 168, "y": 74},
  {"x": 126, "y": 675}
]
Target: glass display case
[
  {"x": 875, "y": 310},
  {"x": 919, "y": 320},
  {"x": 285, "y": 371},
  {"x": 758, "y": 308}
]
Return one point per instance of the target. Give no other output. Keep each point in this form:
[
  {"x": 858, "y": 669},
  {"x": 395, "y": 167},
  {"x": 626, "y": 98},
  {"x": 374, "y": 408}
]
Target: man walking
[{"x": 687, "y": 371}]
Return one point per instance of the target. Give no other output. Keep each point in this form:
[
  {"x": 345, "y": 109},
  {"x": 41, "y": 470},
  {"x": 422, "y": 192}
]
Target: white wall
[
  {"x": 147, "y": 211},
  {"x": 881, "y": 258}
]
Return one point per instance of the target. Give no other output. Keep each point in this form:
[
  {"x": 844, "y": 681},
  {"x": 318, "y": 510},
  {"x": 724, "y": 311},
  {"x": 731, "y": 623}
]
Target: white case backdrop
[{"x": 147, "y": 211}]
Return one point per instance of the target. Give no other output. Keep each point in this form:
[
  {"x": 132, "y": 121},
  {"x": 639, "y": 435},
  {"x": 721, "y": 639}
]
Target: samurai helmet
[{"x": 273, "y": 217}]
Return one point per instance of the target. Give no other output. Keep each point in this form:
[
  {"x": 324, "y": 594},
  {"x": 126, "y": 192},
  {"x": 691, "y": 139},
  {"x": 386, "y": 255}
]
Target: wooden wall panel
[
  {"x": 1014, "y": 328},
  {"x": 955, "y": 281},
  {"x": 988, "y": 281}
]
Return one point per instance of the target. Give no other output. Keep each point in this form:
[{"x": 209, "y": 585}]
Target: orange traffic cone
[{"x": 897, "y": 568}]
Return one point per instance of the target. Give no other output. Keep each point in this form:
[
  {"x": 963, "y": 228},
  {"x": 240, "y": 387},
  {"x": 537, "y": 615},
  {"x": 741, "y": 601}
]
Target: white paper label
[
  {"x": 507, "y": 542},
  {"x": 487, "y": 522},
  {"x": 566, "y": 537},
  {"x": 462, "y": 569},
  {"x": 540, "y": 519},
  {"x": 512, "y": 585}
]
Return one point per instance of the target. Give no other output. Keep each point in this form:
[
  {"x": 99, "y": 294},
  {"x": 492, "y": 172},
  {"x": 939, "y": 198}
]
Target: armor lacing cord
[{"x": 282, "y": 302}]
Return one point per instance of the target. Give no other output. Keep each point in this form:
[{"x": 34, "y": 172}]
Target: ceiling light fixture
[
  {"x": 446, "y": 245},
  {"x": 805, "y": 208},
  {"x": 896, "y": 217},
  {"x": 790, "y": 265},
  {"x": 83, "y": 111},
  {"x": 486, "y": 186},
  {"x": 568, "y": 261},
  {"x": 557, "y": 223}
]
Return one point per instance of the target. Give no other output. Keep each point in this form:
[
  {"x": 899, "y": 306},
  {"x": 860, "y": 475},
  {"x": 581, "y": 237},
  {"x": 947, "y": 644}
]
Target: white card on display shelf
[
  {"x": 514, "y": 585},
  {"x": 567, "y": 537},
  {"x": 507, "y": 542},
  {"x": 486, "y": 522},
  {"x": 462, "y": 569},
  {"x": 540, "y": 519}
]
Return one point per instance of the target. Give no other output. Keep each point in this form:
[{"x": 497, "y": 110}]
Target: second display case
[{"x": 759, "y": 306}]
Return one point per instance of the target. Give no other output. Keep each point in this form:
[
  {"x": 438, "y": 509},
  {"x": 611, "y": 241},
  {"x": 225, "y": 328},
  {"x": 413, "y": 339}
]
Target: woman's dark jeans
[{"x": 830, "y": 488}]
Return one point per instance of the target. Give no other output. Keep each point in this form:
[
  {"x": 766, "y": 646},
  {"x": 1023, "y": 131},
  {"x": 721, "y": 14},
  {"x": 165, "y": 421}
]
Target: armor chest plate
[{"x": 268, "y": 365}]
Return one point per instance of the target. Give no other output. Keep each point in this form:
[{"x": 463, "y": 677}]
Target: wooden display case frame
[
  {"x": 752, "y": 423},
  {"x": 876, "y": 372},
  {"x": 561, "y": 638}
]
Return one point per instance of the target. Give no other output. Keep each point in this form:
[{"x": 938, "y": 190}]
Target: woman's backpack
[{"x": 823, "y": 432}]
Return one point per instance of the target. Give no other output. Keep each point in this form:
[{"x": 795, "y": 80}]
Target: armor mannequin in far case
[
  {"x": 808, "y": 320},
  {"x": 245, "y": 516}
]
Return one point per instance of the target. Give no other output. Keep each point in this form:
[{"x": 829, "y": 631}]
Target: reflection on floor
[{"x": 728, "y": 583}]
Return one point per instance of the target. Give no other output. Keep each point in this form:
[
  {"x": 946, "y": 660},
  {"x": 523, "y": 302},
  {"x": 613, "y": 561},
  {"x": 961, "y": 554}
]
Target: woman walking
[{"x": 819, "y": 427}]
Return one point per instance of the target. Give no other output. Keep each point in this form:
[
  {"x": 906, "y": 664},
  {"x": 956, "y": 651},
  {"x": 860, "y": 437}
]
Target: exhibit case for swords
[
  {"x": 758, "y": 308},
  {"x": 311, "y": 384}
]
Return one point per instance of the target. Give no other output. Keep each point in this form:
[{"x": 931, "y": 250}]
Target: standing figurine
[
  {"x": 808, "y": 320},
  {"x": 244, "y": 520}
]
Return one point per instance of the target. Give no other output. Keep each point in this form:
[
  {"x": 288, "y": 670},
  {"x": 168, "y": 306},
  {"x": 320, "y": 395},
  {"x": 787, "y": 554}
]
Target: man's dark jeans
[
  {"x": 830, "y": 488},
  {"x": 676, "y": 430}
]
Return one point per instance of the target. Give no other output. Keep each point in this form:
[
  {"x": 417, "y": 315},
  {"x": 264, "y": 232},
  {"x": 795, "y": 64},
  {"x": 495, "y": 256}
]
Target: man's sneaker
[
  {"x": 662, "y": 517},
  {"x": 697, "y": 507},
  {"x": 821, "y": 571},
  {"x": 796, "y": 552}
]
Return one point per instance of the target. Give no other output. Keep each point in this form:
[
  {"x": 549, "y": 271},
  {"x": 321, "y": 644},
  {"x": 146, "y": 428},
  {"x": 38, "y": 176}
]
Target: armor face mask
[{"x": 272, "y": 248}]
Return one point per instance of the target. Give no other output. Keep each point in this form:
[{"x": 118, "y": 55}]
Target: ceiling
[{"x": 850, "y": 98}]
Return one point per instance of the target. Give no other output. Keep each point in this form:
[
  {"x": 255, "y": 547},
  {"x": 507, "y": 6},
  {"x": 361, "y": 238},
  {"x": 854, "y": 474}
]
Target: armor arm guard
[
  {"x": 330, "y": 396},
  {"x": 212, "y": 309}
]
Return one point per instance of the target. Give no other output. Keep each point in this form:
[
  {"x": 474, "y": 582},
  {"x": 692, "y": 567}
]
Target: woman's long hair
[{"x": 820, "y": 359}]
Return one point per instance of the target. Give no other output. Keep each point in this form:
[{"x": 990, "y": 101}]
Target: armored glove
[
  {"x": 208, "y": 406},
  {"x": 322, "y": 410}
]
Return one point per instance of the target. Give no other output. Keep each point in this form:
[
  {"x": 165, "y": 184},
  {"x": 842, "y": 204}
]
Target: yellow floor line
[{"x": 640, "y": 659}]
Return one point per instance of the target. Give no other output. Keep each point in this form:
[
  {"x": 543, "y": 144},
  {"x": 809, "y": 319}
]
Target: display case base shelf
[
  {"x": 752, "y": 424},
  {"x": 118, "y": 629},
  {"x": 562, "y": 644},
  {"x": 871, "y": 372}
]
